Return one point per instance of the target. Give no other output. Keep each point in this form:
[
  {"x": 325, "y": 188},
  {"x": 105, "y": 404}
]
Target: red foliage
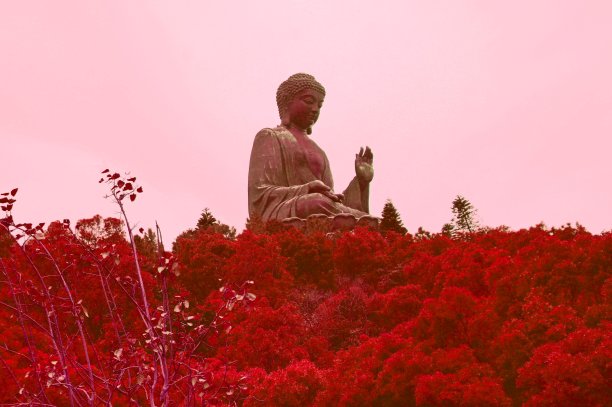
[
  {"x": 361, "y": 253},
  {"x": 400, "y": 304},
  {"x": 459, "y": 389},
  {"x": 309, "y": 257},
  {"x": 202, "y": 258},
  {"x": 342, "y": 318},
  {"x": 296, "y": 385},
  {"x": 496, "y": 318},
  {"x": 445, "y": 319},
  {"x": 575, "y": 371},
  {"x": 268, "y": 338}
]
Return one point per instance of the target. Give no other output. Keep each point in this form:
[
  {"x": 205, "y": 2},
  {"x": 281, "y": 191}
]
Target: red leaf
[
  {"x": 101, "y": 180},
  {"x": 105, "y": 171},
  {"x": 14, "y": 191},
  {"x": 139, "y": 189},
  {"x": 132, "y": 179},
  {"x": 128, "y": 187},
  {"x": 120, "y": 183},
  {"x": 132, "y": 197},
  {"x": 3, "y": 200},
  {"x": 141, "y": 230}
]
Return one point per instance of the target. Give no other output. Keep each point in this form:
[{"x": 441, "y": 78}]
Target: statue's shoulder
[{"x": 277, "y": 133}]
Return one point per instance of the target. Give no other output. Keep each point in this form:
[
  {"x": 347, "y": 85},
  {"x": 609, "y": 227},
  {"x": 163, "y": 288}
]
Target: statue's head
[{"x": 295, "y": 86}]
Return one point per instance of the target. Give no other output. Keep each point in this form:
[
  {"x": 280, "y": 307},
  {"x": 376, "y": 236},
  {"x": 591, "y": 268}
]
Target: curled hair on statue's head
[{"x": 291, "y": 87}]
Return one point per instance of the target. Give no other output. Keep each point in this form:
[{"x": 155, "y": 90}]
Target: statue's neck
[{"x": 299, "y": 134}]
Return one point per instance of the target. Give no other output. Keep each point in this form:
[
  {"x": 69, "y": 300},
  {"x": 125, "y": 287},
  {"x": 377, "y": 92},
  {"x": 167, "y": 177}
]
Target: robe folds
[{"x": 278, "y": 176}]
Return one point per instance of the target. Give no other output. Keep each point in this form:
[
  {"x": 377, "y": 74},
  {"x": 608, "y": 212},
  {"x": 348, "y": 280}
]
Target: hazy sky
[{"x": 506, "y": 103}]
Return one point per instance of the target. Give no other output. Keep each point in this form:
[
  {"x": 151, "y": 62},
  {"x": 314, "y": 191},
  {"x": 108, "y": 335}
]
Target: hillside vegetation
[{"x": 280, "y": 317}]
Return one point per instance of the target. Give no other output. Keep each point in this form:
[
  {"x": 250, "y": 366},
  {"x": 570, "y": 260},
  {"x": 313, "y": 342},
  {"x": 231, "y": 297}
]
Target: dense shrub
[{"x": 356, "y": 318}]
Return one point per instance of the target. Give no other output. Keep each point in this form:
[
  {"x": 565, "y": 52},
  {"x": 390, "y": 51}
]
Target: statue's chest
[{"x": 310, "y": 155}]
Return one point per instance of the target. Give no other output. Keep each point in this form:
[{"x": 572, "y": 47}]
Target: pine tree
[
  {"x": 422, "y": 234},
  {"x": 209, "y": 223},
  {"x": 147, "y": 244},
  {"x": 448, "y": 229},
  {"x": 391, "y": 220},
  {"x": 206, "y": 220},
  {"x": 464, "y": 217}
]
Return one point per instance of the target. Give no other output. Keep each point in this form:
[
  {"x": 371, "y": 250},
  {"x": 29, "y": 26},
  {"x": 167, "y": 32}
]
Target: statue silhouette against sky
[{"x": 289, "y": 174}]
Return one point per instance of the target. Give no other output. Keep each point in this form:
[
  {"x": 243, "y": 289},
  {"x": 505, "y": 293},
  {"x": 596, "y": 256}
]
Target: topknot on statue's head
[{"x": 292, "y": 86}]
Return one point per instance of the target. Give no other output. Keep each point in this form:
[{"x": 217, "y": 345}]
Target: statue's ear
[{"x": 285, "y": 119}]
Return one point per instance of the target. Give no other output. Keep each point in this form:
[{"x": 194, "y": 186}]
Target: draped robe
[{"x": 278, "y": 176}]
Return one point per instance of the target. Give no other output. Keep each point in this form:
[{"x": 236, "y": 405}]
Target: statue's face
[{"x": 304, "y": 109}]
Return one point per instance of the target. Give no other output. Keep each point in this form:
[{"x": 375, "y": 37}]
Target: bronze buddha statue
[{"x": 289, "y": 174}]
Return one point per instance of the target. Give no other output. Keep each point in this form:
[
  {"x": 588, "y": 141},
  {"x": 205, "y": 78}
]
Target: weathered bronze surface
[{"x": 289, "y": 174}]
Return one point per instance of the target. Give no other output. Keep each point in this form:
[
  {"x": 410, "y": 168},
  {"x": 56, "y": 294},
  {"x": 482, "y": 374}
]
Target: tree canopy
[{"x": 391, "y": 220}]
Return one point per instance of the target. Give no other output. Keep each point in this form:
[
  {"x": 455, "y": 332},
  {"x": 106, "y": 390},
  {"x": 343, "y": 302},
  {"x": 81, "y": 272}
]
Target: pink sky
[{"x": 506, "y": 103}]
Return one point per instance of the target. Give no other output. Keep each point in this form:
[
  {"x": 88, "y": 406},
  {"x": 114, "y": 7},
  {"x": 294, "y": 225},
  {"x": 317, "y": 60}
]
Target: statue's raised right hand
[{"x": 363, "y": 165}]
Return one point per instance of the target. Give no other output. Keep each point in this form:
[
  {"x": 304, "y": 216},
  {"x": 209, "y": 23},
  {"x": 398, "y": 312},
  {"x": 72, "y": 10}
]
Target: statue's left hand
[
  {"x": 334, "y": 197},
  {"x": 363, "y": 165}
]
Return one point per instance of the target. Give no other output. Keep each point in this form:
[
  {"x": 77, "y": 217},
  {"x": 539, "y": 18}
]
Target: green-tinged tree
[
  {"x": 207, "y": 223},
  {"x": 95, "y": 230},
  {"x": 147, "y": 244},
  {"x": 464, "y": 217},
  {"x": 206, "y": 220},
  {"x": 391, "y": 220},
  {"x": 448, "y": 229},
  {"x": 6, "y": 242},
  {"x": 422, "y": 234}
]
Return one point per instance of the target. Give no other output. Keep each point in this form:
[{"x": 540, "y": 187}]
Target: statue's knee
[
  {"x": 318, "y": 197},
  {"x": 321, "y": 203},
  {"x": 314, "y": 203}
]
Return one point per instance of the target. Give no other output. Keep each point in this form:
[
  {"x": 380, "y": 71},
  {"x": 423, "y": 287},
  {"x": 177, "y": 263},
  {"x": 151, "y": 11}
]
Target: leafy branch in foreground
[{"x": 94, "y": 322}]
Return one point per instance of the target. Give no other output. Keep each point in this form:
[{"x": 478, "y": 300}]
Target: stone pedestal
[{"x": 326, "y": 224}]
